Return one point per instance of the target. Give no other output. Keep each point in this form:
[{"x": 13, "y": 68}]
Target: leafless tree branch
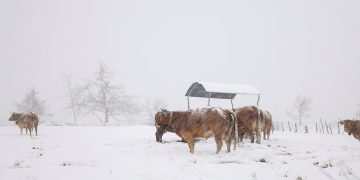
[{"x": 301, "y": 109}]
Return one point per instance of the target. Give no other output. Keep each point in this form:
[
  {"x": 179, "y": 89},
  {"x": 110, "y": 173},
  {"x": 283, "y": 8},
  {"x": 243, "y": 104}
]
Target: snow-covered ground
[{"x": 130, "y": 152}]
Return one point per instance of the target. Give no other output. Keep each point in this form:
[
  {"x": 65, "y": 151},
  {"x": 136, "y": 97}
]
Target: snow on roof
[{"x": 219, "y": 90}]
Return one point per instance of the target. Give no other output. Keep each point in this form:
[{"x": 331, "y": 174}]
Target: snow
[
  {"x": 219, "y": 111},
  {"x": 130, "y": 152},
  {"x": 200, "y": 112},
  {"x": 230, "y": 88}
]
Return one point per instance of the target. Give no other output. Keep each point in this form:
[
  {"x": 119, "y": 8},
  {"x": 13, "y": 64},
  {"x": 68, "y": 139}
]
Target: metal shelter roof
[{"x": 220, "y": 91}]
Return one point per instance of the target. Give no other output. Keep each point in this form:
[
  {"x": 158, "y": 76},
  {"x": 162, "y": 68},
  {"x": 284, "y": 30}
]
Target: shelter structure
[{"x": 220, "y": 91}]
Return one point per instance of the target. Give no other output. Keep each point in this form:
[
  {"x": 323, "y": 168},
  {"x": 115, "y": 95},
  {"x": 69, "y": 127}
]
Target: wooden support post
[
  {"x": 188, "y": 102},
  {"x": 209, "y": 99}
]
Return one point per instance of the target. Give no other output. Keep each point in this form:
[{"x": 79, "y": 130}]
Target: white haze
[{"x": 158, "y": 48}]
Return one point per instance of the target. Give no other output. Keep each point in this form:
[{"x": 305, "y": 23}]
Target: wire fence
[{"x": 320, "y": 126}]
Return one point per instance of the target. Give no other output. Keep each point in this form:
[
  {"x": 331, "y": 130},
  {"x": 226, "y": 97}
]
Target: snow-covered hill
[{"x": 130, "y": 152}]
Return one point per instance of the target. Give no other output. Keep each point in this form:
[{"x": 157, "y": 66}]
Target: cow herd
[{"x": 222, "y": 124}]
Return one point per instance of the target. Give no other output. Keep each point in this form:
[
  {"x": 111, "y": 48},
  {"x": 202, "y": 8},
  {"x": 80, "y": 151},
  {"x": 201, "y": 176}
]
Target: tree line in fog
[
  {"x": 102, "y": 99},
  {"x": 98, "y": 96}
]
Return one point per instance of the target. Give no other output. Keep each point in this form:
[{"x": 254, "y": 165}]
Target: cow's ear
[
  {"x": 341, "y": 122},
  {"x": 163, "y": 110}
]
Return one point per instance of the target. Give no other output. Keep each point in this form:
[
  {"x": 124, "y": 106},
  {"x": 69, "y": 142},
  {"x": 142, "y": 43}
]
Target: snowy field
[{"x": 130, "y": 152}]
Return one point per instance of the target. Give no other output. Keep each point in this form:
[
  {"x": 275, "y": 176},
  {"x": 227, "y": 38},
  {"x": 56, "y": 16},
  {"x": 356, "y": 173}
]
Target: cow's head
[
  {"x": 14, "y": 116},
  {"x": 347, "y": 126},
  {"x": 161, "y": 123}
]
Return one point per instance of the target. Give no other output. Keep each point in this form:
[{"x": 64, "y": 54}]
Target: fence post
[
  {"x": 306, "y": 130},
  {"x": 316, "y": 126},
  {"x": 295, "y": 128},
  {"x": 330, "y": 128},
  {"x": 322, "y": 127},
  {"x": 282, "y": 125},
  {"x": 289, "y": 126},
  {"x": 338, "y": 125},
  {"x": 327, "y": 128},
  {"x": 272, "y": 127}
]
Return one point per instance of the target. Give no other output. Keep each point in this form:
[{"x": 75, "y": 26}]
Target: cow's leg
[
  {"x": 258, "y": 137},
  {"x": 190, "y": 140},
  {"x": 264, "y": 132},
  {"x": 36, "y": 130},
  {"x": 191, "y": 144},
  {"x": 21, "y": 130},
  {"x": 251, "y": 134},
  {"x": 228, "y": 142},
  {"x": 241, "y": 136},
  {"x": 30, "y": 129},
  {"x": 218, "y": 140}
]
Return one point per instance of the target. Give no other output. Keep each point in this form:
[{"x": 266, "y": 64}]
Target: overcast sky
[{"x": 158, "y": 48}]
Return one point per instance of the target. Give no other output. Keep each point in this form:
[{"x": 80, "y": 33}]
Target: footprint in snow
[{"x": 66, "y": 164}]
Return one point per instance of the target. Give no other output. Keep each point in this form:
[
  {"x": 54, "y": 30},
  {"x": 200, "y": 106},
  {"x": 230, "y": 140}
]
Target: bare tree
[
  {"x": 154, "y": 106},
  {"x": 301, "y": 109},
  {"x": 32, "y": 103},
  {"x": 74, "y": 96},
  {"x": 105, "y": 100}
]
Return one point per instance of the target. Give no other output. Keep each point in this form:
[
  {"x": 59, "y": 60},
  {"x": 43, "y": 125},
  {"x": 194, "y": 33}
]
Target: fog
[{"x": 157, "y": 49}]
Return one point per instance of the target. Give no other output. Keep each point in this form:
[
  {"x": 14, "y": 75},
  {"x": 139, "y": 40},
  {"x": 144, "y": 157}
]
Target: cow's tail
[
  {"x": 35, "y": 121},
  {"x": 271, "y": 121},
  {"x": 258, "y": 116},
  {"x": 234, "y": 127}
]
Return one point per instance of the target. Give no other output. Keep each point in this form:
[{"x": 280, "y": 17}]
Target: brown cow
[
  {"x": 266, "y": 116},
  {"x": 27, "y": 121},
  {"x": 352, "y": 127},
  {"x": 204, "y": 122},
  {"x": 249, "y": 121}
]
